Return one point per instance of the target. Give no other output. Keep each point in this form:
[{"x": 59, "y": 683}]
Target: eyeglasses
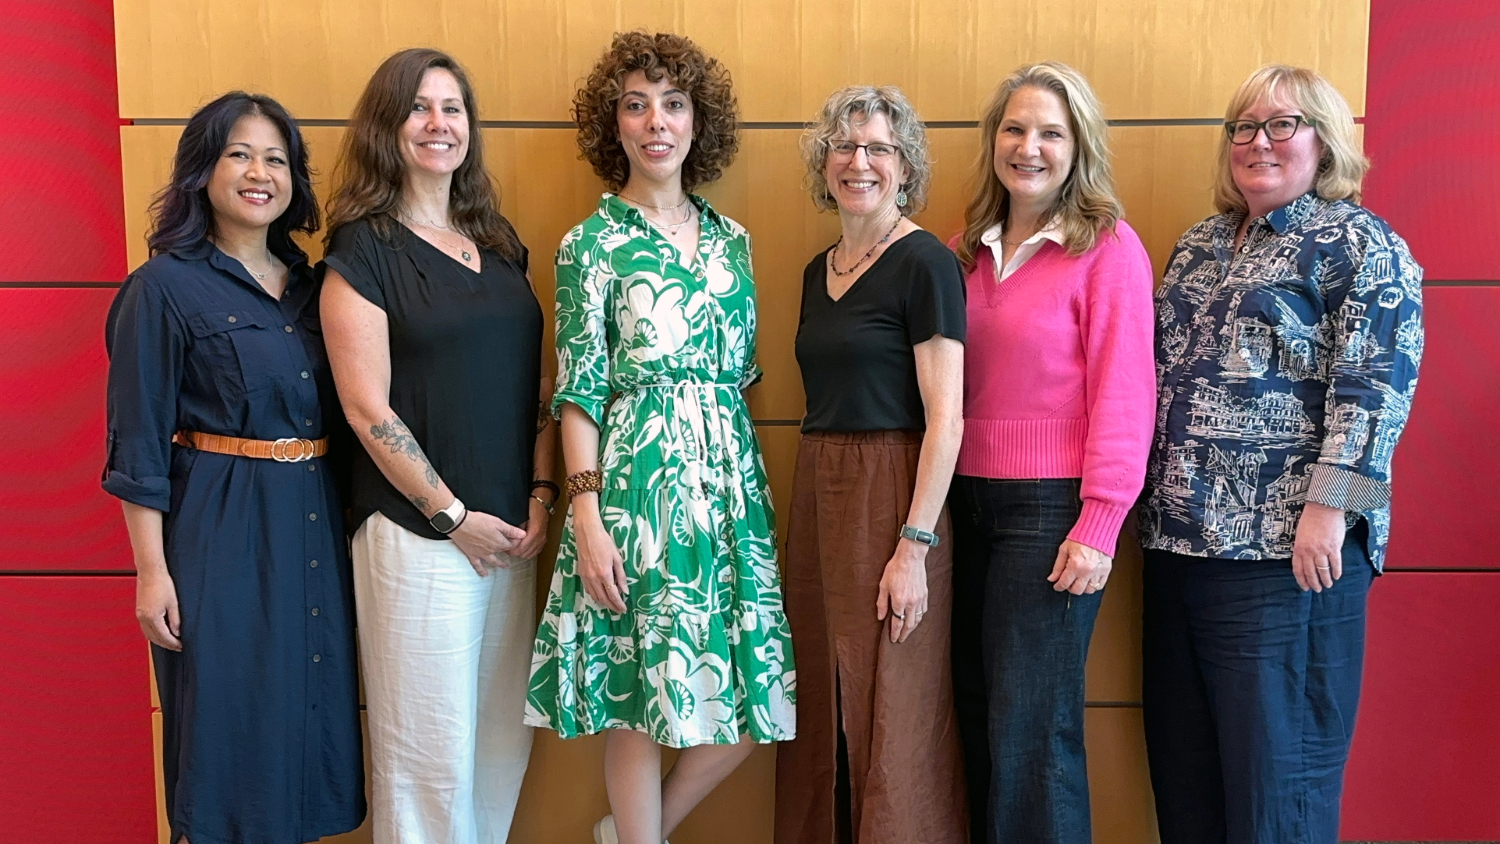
[
  {"x": 1279, "y": 128},
  {"x": 846, "y": 149}
]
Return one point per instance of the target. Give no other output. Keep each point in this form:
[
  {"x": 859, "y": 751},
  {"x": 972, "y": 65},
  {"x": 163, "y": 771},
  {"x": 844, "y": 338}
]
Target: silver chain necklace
[{"x": 461, "y": 250}]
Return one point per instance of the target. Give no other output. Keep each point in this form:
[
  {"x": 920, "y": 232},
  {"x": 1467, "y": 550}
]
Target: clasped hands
[{"x": 490, "y": 542}]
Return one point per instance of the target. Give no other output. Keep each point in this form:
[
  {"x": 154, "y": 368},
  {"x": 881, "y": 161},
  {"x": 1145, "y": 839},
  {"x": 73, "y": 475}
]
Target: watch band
[
  {"x": 447, "y": 520},
  {"x": 925, "y": 537}
]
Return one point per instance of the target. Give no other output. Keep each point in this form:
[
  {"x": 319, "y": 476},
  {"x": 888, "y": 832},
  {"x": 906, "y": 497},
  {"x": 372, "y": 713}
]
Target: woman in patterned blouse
[
  {"x": 664, "y": 624},
  {"x": 1289, "y": 332}
]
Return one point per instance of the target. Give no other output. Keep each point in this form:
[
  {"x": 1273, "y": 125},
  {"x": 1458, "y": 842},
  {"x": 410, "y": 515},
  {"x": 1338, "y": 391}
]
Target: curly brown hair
[
  {"x": 715, "y": 112},
  {"x": 370, "y": 170}
]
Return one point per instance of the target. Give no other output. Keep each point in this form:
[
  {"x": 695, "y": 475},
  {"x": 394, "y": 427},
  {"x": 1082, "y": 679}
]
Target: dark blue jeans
[
  {"x": 1018, "y": 655},
  {"x": 1250, "y": 687}
]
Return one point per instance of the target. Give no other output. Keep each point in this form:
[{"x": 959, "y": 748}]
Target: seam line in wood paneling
[{"x": 746, "y": 124}]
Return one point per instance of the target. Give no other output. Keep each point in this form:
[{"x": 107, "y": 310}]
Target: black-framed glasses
[
  {"x": 846, "y": 149},
  {"x": 1279, "y": 128}
]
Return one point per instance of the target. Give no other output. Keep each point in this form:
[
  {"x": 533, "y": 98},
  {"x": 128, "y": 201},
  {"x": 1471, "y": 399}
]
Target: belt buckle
[{"x": 304, "y": 450}]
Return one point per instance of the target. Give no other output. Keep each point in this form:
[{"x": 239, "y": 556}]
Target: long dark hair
[
  {"x": 181, "y": 215},
  {"x": 371, "y": 172}
]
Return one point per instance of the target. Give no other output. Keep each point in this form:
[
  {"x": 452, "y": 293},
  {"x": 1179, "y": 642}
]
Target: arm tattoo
[
  {"x": 394, "y": 433},
  {"x": 419, "y": 502},
  {"x": 543, "y": 418}
]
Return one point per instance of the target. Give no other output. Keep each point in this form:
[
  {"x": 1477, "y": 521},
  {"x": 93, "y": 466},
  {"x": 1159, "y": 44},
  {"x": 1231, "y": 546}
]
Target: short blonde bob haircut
[
  {"x": 854, "y": 105},
  {"x": 1086, "y": 204},
  {"x": 1341, "y": 168}
]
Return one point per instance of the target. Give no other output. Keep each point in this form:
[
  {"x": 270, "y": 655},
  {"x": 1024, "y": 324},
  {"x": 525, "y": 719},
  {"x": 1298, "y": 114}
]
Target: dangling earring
[{"x": 901, "y": 198}]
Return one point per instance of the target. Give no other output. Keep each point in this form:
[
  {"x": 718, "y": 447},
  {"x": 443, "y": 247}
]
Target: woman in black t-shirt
[
  {"x": 435, "y": 339},
  {"x": 868, "y": 579}
]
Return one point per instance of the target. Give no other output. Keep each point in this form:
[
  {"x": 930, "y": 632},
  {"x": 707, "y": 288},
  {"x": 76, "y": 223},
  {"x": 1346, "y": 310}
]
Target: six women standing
[
  {"x": 1058, "y": 388},
  {"x": 1289, "y": 334}
]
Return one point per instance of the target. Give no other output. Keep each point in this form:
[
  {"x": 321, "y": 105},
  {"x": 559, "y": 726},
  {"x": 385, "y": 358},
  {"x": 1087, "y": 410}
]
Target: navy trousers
[
  {"x": 1018, "y": 654},
  {"x": 1250, "y": 687}
]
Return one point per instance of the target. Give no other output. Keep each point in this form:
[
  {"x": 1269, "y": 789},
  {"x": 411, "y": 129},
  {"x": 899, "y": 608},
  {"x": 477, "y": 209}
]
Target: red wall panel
[
  {"x": 1445, "y": 501},
  {"x": 75, "y": 745},
  {"x": 1424, "y": 761},
  {"x": 1432, "y": 128},
  {"x": 53, "y": 516},
  {"x": 62, "y": 217}
]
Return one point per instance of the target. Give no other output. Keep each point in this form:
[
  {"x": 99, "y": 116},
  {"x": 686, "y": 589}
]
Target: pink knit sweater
[{"x": 1059, "y": 375}]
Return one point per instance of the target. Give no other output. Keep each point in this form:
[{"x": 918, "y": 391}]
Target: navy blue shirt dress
[{"x": 260, "y": 710}]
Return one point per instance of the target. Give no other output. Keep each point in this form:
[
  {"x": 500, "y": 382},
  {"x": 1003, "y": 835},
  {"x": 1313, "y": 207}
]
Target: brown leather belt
[{"x": 286, "y": 450}]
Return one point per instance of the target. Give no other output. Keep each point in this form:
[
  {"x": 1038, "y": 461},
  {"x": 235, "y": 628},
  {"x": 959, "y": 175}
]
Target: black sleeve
[
  {"x": 815, "y": 273},
  {"x": 935, "y": 300},
  {"x": 354, "y": 252}
]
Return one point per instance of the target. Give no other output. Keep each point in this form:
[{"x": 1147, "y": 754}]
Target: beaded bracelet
[{"x": 591, "y": 480}]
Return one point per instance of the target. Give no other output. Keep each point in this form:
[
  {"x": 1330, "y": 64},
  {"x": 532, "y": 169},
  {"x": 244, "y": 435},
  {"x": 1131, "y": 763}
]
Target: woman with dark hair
[
  {"x": 220, "y": 404},
  {"x": 664, "y": 623},
  {"x": 435, "y": 339}
]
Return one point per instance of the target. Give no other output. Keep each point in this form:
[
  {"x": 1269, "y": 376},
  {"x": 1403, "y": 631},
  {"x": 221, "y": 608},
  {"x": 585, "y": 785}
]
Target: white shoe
[{"x": 604, "y": 831}]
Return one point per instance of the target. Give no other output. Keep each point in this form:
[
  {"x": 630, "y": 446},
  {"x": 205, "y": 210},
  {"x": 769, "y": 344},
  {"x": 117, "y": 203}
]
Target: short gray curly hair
[{"x": 839, "y": 114}]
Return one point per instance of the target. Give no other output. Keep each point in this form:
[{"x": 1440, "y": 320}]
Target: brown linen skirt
[{"x": 850, "y": 496}]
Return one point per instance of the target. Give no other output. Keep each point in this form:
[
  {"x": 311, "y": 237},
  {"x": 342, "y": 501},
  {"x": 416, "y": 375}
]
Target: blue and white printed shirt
[{"x": 1285, "y": 373}]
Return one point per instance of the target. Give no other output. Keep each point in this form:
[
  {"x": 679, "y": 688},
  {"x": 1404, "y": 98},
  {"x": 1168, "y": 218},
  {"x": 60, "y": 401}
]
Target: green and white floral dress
[{"x": 657, "y": 354}]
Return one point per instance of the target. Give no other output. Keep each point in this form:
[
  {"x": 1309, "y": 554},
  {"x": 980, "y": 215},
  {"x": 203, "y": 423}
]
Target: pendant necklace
[
  {"x": 833, "y": 264},
  {"x": 461, "y": 250},
  {"x": 670, "y": 228}
]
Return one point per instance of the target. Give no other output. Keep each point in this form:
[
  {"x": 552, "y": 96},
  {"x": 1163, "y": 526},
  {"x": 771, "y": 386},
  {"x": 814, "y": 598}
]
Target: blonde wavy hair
[
  {"x": 1086, "y": 204},
  {"x": 856, "y": 104},
  {"x": 1342, "y": 166}
]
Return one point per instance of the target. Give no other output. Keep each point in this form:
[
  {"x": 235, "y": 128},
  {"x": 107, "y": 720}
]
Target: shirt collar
[
  {"x": 1294, "y": 213},
  {"x": 612, "y": 207},
  {"x": 1052, "y": 231},
  {"x": 205, "y": 250}
]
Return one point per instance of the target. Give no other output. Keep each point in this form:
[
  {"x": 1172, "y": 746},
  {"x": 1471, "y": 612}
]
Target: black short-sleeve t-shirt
[
  {"x": 465, "y": 363},
  {"x": 858, "y": 367}
]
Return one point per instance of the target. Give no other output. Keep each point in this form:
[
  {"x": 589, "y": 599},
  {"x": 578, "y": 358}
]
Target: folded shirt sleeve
[{"x": 146, "y": 342}]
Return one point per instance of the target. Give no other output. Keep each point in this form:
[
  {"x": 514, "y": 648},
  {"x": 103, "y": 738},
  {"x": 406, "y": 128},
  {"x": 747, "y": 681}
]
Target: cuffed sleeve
[
  {"x": 146, "y": 340},
  {"x": 1376, "y": 351},
  {"x": 582, "y": 346},
  {"x": 1116, "y": 321}
]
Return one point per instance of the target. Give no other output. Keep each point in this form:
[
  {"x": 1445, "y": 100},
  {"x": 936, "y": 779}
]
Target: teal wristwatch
[{"x": 925, "y": 537}]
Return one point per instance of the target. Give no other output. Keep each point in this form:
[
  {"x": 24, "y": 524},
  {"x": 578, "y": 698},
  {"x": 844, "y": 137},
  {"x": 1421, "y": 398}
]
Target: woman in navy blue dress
[{"x": 220, "y": 405}]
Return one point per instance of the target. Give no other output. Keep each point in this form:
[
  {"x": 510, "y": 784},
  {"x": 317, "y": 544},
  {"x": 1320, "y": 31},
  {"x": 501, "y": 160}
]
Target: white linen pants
[{"x": 446, "y": 658}]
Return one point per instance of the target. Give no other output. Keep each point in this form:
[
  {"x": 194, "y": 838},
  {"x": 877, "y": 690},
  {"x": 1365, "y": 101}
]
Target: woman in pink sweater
[{"x": 1059, "y": 393}]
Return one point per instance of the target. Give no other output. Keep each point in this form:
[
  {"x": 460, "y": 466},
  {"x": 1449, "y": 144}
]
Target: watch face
[{"x": 442, "y": 522}]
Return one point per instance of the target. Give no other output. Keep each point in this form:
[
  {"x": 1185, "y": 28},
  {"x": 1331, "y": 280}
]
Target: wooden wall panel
[
  {"x": 1179, "y": 59},
  {"x": 1119, "y": 785},
  {"x": 1113, "y": 674}
]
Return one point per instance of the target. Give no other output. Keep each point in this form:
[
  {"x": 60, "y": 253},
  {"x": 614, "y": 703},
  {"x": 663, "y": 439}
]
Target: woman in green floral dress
[{"x": 664, "y": 624}]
